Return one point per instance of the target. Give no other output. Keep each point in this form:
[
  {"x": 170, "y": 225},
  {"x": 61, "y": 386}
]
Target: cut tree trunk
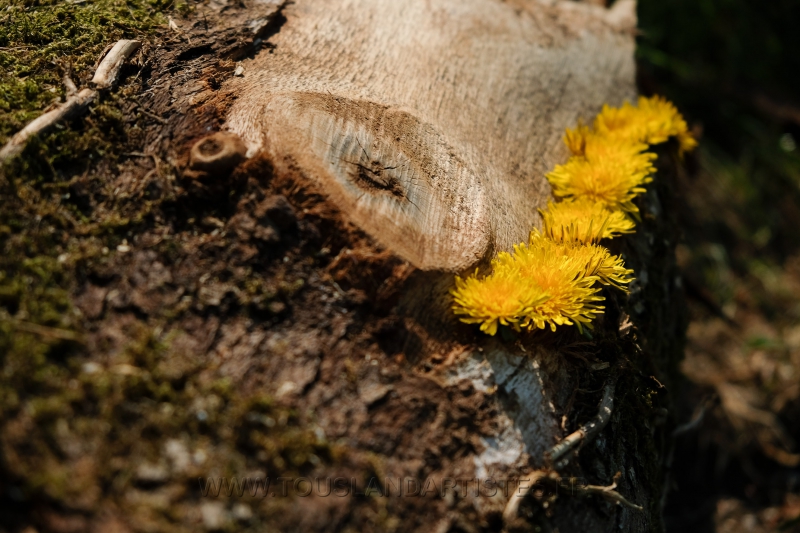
[
  {"x": 392, "y": 144},
  {"x": 429, "y": 127}
]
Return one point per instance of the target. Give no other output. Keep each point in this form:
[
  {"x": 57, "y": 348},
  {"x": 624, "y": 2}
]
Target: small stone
[
  {"x": 242, "y": 512},
  {"x": 199, "y": 457},
  {"x": 276, "y": 308},
  {"x": 372, "y": 392},
  {"x": 178, "y": 454},
  {"x": 239, "y": 71},
  {"x": 212, "y": 222},
  {"x": 90, "y": 368},
  {"x": 287, "y": 387},
  {"x": 152, "y": 473},
  {"x": 125, "y": 369},
  {"x": 212, "y": 295},
  {"x": 213, "y": 514}
]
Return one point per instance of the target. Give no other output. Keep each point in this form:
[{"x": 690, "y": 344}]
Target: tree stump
[{"x": 390, "y": 144}]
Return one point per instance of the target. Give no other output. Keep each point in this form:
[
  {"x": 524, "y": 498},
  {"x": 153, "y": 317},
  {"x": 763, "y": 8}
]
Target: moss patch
[
  {"x": 40, "y": 41},
  {"x": 110, "y": 416}
]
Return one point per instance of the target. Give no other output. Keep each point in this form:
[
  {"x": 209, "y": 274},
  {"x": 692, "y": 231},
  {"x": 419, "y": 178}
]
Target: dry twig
[
  {"x": 584, "y": 434},
  {"x": 535, "y": 476},
  {"x": 608, "y": 493},
  {"x": 589, "y": 430},
  {"x": 77, "y": 102},
  {"x": 45, "y": 331}
]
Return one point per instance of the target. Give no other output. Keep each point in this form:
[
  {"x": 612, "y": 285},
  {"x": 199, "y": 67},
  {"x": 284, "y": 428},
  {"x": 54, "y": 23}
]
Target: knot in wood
[{"x": 217, "y": 154}]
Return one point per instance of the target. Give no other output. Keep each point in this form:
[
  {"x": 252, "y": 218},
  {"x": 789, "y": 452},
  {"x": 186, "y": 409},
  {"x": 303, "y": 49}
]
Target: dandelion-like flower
[
  {"x": 544, "y": 283},
  {"x": 583, "y": 220},
  {"x": 608, "y": 172},
  {"x": 597, "y": 261},
  {"x": 500, "y": 298},
  {"x": 653, "y": 121},
  {"x": 555, "y": 278},
  {"x": 576, "y": 139},
  {"x": 562, "y": 275}
]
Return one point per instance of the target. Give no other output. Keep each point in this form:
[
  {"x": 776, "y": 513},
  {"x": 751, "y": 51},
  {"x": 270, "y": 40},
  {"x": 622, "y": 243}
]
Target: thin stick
[
  {"x": 74, "y": 106},
  {"x": 107, "y": 73},
  {"x": 69, "y": 85},
  {"x": 608, "y": 493},
  {"x": 77, "y": 102},
  {"x": 589, "y": 430},
  {"x": 510, "y": 512},
  {"x": 45, "y": 331},
  {"x": 696, "y": 420}
]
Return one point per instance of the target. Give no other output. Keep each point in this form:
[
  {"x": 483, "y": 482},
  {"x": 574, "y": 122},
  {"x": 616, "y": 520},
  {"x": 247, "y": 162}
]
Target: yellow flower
[
  {"x": 583, "y": 220},
  {"x": 500, "y": 298},
  {"x": 576, "y": 139},
  {"x": 543, "y": 283},
  {"x": 572, "y": 297},
  {"x": 597, "y": 261},
  {"x": 608, "y": 172},
  {"x": 554, "y": 279},
  {"x": 653, "y": 121}
]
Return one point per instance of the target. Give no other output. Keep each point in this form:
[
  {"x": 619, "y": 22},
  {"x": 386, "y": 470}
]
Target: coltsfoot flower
[
  {"x": 572, "y": 295},
  {"x": 543, "y": 283},
  {"x": 555, "y": 278},
  {"x": 610, "y": 173},
  {"x": 597, "y": 260},
  {"x": 500, "y": 298},
  {"x": 653, "y": 121},
  {"x": 583, "y": 220}
]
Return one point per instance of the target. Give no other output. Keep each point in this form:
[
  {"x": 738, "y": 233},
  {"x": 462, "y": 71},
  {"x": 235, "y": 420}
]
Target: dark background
[{"x": 733, "y": 68}]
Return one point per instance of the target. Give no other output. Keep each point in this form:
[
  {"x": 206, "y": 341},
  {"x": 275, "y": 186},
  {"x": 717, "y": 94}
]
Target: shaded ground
[{"x": 732, "y": 67}]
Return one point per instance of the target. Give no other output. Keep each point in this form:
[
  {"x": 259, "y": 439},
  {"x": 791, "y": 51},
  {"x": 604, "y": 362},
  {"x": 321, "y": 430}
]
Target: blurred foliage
[
  {"x": 717, "y": 57},
  {"x": 731, "y": 66}
]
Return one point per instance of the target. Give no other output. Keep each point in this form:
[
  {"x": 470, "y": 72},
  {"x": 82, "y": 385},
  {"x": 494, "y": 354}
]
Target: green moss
[
  {"x": 118, "y": 417},
  {"x": 41, "y": 40}
]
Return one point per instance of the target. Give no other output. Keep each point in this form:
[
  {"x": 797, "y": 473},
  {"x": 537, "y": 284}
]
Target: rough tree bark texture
[
  {"x": 392, "y": 144},
  {"x": 430, "y": 126}
]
